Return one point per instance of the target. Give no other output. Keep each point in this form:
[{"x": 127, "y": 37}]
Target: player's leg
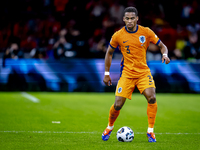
[
  {"x": 115, "y": 109},
  {"x": 124, "y": 89},
  {"x": 150, "y": 95},
  {"x": 113, "y": 114},
  {"x": 146, "y": 87}
]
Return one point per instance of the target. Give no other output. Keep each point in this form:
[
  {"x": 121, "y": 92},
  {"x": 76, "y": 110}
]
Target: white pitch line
[
  {"x": 83, "y": 132},
  {"x": 30, "y": 97},
  {"x": 58, "y": 122},
  {"x": 47, "y": 132}
]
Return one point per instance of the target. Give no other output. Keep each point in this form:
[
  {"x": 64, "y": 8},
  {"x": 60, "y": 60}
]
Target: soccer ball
[{"x": 125, "y": 134}]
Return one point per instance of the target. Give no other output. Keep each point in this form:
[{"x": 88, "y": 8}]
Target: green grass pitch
[{"x": 84, "y": 116}]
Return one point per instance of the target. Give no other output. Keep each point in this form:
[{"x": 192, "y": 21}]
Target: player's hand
[
  {"x": 107, "y": 80},
  {"x": 165, "y": 59}
]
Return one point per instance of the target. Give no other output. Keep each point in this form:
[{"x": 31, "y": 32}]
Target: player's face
[{"x": 130, "y": 20}]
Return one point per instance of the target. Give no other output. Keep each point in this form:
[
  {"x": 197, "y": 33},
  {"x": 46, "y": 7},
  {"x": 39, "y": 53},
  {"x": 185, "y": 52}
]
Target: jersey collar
[{"x": 132, "y": 31}]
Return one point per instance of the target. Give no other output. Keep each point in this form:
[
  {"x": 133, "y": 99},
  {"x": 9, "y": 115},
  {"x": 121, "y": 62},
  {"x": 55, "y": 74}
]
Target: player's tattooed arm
[
  {"x": 108, "y": 60},
  {"x": 111, "y": 52},
  {"x": 164, "y": 51}
]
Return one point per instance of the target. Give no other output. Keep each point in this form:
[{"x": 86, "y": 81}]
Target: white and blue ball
[{"x": 125, "y": 134}]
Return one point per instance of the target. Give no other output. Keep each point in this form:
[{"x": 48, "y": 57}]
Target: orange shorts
[{"x": 126, "y": 86}]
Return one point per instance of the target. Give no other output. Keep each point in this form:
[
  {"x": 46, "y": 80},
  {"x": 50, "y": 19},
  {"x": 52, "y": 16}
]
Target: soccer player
[{"x": 133, "y": 41}]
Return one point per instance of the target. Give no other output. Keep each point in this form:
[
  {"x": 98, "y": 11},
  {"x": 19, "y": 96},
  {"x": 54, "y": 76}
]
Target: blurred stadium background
[{"x": 59, "y": 45}]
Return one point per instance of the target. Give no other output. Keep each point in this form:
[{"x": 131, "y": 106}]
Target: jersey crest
[
  {"x": 142, "y": 39},
  {"x": 119, "y": 89}
]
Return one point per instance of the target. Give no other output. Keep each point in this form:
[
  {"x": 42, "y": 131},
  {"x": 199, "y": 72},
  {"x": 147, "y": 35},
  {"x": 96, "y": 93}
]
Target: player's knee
[
  {"x": 117, "y": 106},
  {"x": 119, "y": 102},
  {"x": 152, "y": 99}
]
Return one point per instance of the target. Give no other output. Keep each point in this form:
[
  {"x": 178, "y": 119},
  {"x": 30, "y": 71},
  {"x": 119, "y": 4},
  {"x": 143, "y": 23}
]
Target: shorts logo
[
  {"x": 142, "y": 39},
  {"x": 119, "y": 89}
]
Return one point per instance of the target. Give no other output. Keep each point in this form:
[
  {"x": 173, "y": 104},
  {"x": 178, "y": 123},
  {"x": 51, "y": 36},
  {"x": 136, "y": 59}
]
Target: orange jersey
[{"x": 133, "y": 46}]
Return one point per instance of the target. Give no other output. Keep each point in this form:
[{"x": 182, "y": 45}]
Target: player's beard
[{"x": 130, "y": 28}]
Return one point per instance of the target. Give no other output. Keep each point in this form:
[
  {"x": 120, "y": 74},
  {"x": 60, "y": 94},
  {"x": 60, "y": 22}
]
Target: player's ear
[{"x": 137, "y": 18}]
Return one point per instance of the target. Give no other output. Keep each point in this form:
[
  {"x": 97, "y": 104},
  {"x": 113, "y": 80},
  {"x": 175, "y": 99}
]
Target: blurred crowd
[{"x": 62, "y": 29}]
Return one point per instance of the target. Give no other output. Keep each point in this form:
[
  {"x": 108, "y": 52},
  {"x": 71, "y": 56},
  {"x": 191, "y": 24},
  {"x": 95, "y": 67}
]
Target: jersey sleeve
[
  {"x": 153, "y": 37},
  {"x": 113, "y": 42}
]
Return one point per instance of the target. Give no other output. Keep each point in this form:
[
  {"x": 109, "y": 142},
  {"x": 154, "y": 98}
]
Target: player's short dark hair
[{"x": 131, "y": 9}]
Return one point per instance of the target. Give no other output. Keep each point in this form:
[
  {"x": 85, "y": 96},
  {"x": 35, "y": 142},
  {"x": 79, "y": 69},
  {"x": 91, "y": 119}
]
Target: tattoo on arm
[
  {"x": 160, "y": 45},
  {"x": 110, "y": 53}
]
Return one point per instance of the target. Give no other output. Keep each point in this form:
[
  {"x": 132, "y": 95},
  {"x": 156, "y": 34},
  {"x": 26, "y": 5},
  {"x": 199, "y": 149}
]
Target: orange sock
[
  {"x": 151, "y": 113},
  {"x": 113, "y": 114}
]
